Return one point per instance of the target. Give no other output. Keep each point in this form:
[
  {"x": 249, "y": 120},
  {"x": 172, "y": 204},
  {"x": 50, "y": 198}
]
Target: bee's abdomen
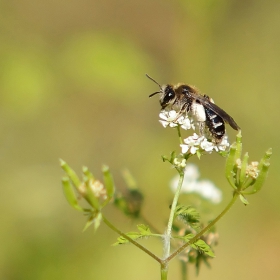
[{"x": 215, "y": 124}]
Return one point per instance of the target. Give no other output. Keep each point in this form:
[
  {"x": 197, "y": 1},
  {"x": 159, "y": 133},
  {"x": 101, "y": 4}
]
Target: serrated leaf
[
  {"x": 144, "y": 230},
  {"x": 204, "y": 247},
  {"x": 188, "y": 237},
  {"x": 188, "y": 214},
  {"x": 123, "y": 240}
]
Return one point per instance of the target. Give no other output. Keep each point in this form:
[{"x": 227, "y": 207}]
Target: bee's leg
[
  {"x": 182, "y": 111},
  {"x": 201, "y": 126}
]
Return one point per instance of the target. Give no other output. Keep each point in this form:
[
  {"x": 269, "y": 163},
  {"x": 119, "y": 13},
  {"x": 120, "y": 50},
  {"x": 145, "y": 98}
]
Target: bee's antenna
[
  {"x": 154, "y": 93},
  {"x": 153, "y": 81}
]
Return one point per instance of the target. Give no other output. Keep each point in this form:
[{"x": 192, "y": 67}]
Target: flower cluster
[
  {"x": 98, "y": 189},
  {"x": 170, "y": 118},
  {"x": 194, "y": 143},
  {"x": 192, "y": 184}
]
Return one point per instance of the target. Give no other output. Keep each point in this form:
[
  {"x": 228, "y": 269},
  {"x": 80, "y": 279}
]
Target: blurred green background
[{"x": 73, "y": 86}]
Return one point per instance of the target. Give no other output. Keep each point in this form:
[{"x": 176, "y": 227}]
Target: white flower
[
  {"x": 206, "y": 145},
  {"x": 186, "y": 123},
  {"x": 195, "y": 142},
  {"x": 192, "y": 184},
  {"x": 168, "y": 118},
  {"x": 209, "y": 191},
  {"x": 172, "y": 119},
  {"x": 223, "y": 145},
  {"x": 192, "y": 144},
  {"x": 191, "y": 172}
]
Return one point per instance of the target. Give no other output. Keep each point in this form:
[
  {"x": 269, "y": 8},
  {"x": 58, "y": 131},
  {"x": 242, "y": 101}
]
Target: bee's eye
[{"x": 169, "y": 94}]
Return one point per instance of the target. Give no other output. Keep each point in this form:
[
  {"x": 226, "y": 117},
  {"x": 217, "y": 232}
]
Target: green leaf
[
  {"x": 188, "y": 214},
  {"x": 109, "y": 183},
  {"x": 71, "y": 173},
  {"x": 123, "y": 240},
  {"x": 70, "y": 194},
  {"x": 144, "y": 230},
  {"x": 172, "y": 157},
  {"x": 164, "y": 158},
  {"x": 201, "y": 246},
  {"x": 188, "y": 237}
]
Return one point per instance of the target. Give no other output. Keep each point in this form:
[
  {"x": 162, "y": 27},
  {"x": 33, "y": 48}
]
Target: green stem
[
  {"x": 167, "y": 236},
  {"x": 163, "y": 273},
  {"x": 179, "y": 134},
  {"x": 194, "y": 239},
  {"x": 111, "y": 226}
]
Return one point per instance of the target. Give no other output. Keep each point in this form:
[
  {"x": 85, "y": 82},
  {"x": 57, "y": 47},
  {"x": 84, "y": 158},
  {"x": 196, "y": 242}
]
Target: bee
[{"x": 186, "y": 99}]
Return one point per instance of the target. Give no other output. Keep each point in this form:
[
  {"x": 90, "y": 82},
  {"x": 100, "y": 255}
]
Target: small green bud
[
  {"x": 230, "y": 164},
  {"x": 70, "y": 194},
  {"x": 87, "y": 173},
  {"x": 238, "y": 144},
  {"x": 87, "y": 189},
  {"x": 71, "y": 173},
  {"x": 261, "y": 178},
  {"x": 109, "y": 183},
  {"x": 243, "y": 169}
]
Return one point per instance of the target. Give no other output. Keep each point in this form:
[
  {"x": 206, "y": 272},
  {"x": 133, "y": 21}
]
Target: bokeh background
[{"x": 73, "y": 86}]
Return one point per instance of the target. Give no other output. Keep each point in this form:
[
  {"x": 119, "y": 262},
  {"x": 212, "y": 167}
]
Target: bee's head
[
  {"x": 167, "y": 96},
  {"x": 167, "y": 93}
]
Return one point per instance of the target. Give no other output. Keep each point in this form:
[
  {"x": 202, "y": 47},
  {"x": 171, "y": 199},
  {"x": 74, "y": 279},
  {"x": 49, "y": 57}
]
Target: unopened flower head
[
  {"x": 181, "y": 163},
  {"x": 252, "y": 170},
  {"x": 98, "y": 189}
]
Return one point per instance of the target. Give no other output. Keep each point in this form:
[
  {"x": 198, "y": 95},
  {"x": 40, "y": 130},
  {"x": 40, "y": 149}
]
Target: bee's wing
[{"x": 225, "y": 116}]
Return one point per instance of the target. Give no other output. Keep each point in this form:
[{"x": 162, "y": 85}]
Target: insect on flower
[{"x": 186, "y": 99}]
